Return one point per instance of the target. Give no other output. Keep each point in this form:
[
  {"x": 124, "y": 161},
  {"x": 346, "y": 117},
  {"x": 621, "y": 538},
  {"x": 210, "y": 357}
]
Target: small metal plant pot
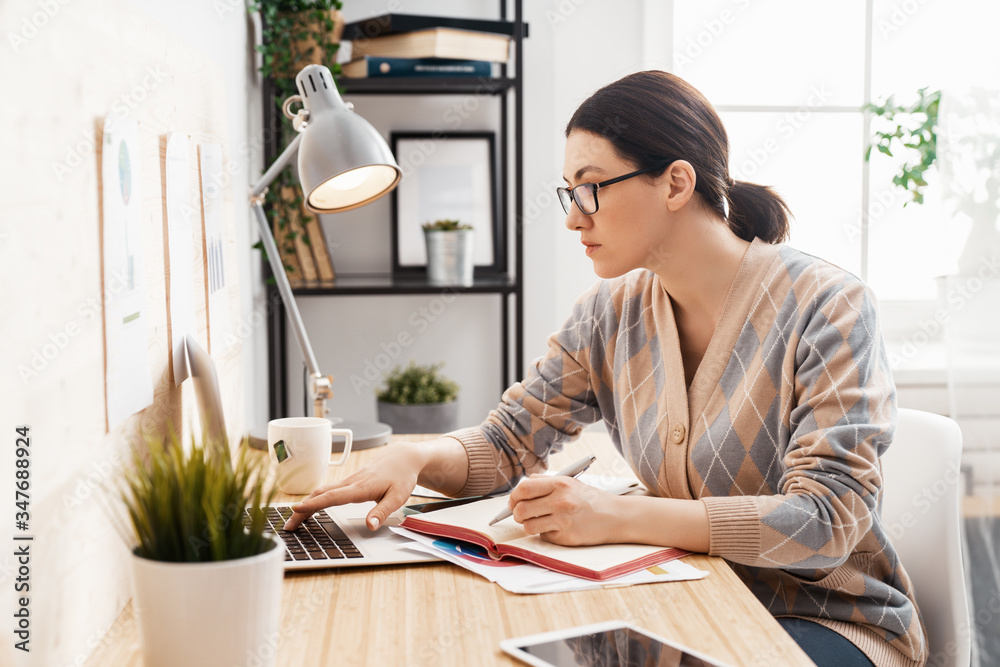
[{"x": 450, "y": 256}]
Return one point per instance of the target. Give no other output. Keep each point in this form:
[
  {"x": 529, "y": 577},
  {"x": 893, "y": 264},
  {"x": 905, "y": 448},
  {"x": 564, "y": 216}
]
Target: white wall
[
  {"x": 225, "y": 33},
  {"x": 70, "y": 64}
]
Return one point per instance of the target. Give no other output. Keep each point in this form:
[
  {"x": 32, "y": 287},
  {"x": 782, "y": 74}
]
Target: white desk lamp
[{"x": 343, "y": 163}]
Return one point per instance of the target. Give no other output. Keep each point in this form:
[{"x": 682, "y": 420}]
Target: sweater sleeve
[
  {"x": 546, "y": 409},
  {"x": 841, "y": 419}
]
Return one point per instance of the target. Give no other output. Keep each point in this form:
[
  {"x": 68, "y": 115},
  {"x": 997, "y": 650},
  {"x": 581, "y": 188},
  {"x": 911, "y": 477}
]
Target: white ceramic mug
[{"x": 303, "y": 450}]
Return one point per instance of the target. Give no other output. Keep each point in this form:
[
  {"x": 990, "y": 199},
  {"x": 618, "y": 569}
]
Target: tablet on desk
[{"x": 609, "y": 644}]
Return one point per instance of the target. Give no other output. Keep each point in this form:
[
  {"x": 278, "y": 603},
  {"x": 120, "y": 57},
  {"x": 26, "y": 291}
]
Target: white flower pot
[{"x": 222, "y": 613}]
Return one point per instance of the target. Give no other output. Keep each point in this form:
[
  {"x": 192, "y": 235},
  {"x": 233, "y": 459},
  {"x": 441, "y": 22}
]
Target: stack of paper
[{"x": 519, "y": 577}]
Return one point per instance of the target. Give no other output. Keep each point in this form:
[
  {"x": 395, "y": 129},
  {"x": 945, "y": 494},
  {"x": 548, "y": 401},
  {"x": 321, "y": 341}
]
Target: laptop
[{"x": 334, "y": 537}]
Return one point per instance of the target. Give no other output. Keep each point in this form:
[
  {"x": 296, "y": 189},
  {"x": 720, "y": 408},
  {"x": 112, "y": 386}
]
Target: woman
[{"x": 746, "y": 384}]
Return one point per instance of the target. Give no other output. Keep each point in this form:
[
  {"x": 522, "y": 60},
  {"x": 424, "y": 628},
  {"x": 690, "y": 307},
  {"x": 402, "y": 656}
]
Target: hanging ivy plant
[
  {"x": 912, "y": 128},
  {"x": 296, "y": 33}
]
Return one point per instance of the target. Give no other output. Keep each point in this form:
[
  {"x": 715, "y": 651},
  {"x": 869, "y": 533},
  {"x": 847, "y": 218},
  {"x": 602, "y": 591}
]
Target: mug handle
[{"x": 349, "y": 438}]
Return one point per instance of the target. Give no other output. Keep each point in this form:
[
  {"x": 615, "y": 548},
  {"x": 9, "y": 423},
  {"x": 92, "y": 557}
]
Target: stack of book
[
  {"x": 408, "y": 45},
  {"x": 303, "y": 247}
]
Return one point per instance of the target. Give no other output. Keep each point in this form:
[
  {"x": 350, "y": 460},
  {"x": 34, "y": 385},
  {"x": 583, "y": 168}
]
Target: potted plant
[
  {"x": 449, "y": 252},
  {"x": 207, "y": 588},
  {"x": 958, "y": 134},
  {"x": 912, "y": 127},
  {"x": 418, "y": 399}
]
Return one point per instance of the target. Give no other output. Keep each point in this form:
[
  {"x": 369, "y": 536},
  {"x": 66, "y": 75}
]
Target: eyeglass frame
[{"x": 598, "y": 186}]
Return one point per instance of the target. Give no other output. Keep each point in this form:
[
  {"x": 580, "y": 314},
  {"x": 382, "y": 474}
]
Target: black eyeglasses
[{"x": 585, "y": 194}]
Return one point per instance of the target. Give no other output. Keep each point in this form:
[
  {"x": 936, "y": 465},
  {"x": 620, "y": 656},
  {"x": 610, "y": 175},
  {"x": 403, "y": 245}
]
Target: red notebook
[{"x": 470, "y": 523}]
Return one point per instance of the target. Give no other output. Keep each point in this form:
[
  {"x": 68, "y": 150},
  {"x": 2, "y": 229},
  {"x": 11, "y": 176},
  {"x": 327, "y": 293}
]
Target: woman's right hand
[
  {"x": 389, "y": 481},
  {"x": 441, "y": 464}
]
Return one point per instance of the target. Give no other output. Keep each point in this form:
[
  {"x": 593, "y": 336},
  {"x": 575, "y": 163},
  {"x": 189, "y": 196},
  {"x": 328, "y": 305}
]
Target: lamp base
[{"x": 367, "y": 435}]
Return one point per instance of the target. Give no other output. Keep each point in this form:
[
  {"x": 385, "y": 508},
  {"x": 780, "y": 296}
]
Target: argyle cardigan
[{"x": 778, "y": 435}]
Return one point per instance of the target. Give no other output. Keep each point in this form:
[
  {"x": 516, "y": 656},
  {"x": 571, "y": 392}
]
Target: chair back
[{"x": 921, "y": 510}]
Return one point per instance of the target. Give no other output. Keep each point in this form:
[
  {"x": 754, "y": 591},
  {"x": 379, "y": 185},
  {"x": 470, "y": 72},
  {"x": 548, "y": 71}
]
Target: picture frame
[{"x": 446, "y": 175}]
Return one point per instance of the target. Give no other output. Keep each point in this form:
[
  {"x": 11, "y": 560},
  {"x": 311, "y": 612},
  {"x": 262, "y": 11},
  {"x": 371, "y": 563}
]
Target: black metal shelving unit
[{"x": 507, "y": 286}]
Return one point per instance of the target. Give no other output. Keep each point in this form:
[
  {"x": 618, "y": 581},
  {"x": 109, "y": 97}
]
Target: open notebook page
[{"x": 477, "y": 516}]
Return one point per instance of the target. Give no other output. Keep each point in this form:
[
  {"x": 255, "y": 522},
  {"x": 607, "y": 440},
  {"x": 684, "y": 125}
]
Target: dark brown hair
[{"x": 655, "y": 117}]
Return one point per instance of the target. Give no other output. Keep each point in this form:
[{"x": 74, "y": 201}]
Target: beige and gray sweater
[{"x": 778, "y": 435}]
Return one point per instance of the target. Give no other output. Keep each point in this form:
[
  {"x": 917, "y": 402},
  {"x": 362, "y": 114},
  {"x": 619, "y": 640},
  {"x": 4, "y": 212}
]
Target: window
[{"x": 790, "y": 80}]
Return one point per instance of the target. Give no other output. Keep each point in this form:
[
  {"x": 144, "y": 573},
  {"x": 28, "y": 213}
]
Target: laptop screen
[{"x": 206, "y": 390}]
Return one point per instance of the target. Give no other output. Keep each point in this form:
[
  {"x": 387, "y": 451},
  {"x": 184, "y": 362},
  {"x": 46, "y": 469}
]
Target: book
[
  {"x": 391, "y": 24},
  {"x": 381, "y": 66},
  {"x": 436, "y": 43},
  {"x": 470, "y": 523},
  {"x": 298, "y": 233},
  {"x": 320, "y": 250}
]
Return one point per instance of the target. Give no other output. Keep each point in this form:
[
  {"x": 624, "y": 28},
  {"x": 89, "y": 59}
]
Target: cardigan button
[{"x": 677, "y": 435}]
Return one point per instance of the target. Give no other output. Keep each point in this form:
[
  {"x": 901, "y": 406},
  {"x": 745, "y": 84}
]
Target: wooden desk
[{"x": 439, "y": 614}]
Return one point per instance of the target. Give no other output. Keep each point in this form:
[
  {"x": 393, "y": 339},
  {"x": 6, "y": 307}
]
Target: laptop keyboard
[{"x": 318, "y": 538}]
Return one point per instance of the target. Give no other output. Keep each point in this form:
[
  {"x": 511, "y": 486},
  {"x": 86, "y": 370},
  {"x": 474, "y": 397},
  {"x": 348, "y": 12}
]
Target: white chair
[{"x": 921, "y": 510}]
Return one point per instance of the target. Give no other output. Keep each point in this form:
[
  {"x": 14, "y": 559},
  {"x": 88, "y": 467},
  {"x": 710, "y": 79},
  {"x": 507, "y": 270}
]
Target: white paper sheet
[
  {"x": 129, "y": 385},
  {"x": 180, "y": 235},
  {"x": 212, "y": 178},
  {"x": 519, "y": 577}
]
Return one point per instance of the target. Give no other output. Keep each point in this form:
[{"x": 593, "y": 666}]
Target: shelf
[
  {"x": 386, "y": 283},
  {"x": 506, "y": 91},
  {"x": 437, "y": 85}
]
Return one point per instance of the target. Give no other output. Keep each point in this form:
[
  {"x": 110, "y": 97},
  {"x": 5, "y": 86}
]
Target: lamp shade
[{"x": 343, "y": 161}]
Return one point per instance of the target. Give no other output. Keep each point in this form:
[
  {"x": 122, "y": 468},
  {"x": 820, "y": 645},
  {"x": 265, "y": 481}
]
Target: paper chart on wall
[
  {"x": 212, "y": 177},
  {"x": 180, "y": 236},
  {"x": 128, "y": 381}
]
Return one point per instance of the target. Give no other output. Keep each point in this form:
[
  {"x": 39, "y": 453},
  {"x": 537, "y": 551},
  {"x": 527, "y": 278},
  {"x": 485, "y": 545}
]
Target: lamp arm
[
  {"x": 287, "y": 155},
  {"x": 321, "y": 383}
]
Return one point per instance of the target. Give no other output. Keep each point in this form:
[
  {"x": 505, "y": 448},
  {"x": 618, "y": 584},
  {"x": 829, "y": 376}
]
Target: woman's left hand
[{"x": 564, "y": 510}]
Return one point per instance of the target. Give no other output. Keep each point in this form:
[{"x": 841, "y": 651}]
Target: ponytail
[{"x": 757, "y": 211}]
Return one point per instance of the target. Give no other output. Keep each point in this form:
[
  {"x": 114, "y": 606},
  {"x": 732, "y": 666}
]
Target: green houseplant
[
  {"x": 207, "y": 587},
  {"x": 450, "y": 248},
  {"x": 911, "y": 128},
  {"x": 958, "y": 134},
  {"x": 418, "y": 399}
]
